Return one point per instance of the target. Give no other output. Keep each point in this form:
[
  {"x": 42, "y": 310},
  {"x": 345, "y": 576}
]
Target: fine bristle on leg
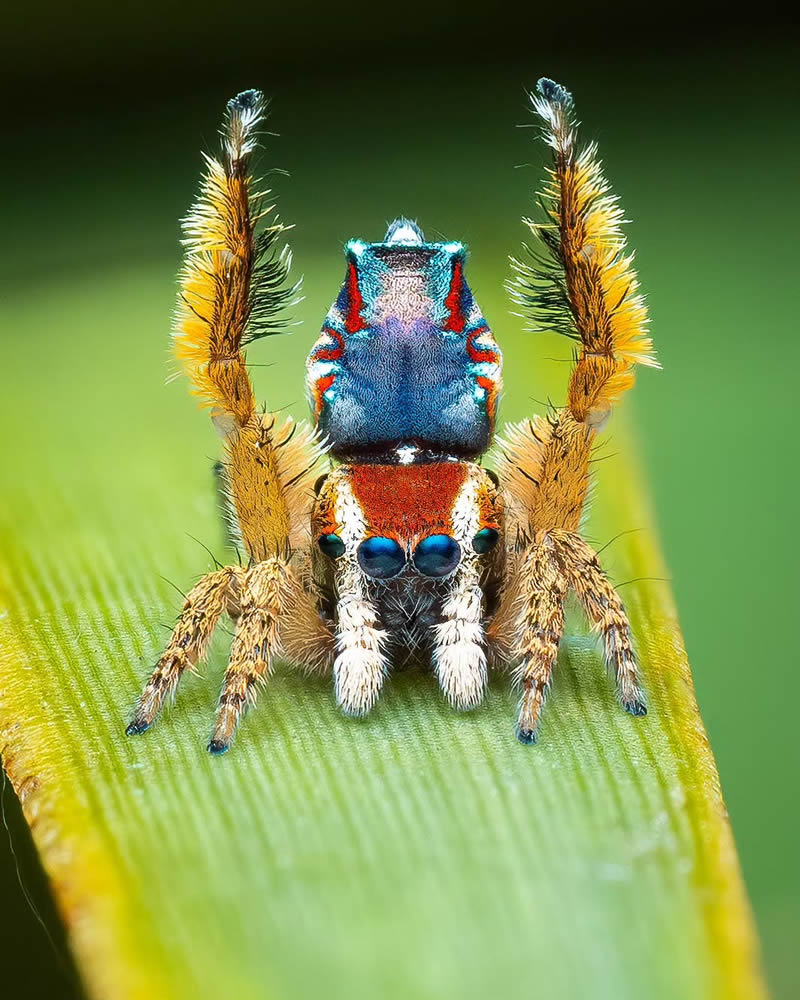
[
  {"x": 261, "y": 601},
  {"x": 234, "y": 286},
  {"x": 458, "y": 653},
  {"x": 606, "y": 611},
  {"x": 202, "y": 608},
  {"x": 360, "y": 667},
  {"x": 544, "y": 587},
  {"x": 578, "y": 281}
]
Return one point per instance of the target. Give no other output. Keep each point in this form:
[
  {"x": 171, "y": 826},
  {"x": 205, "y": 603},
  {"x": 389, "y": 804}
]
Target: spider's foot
[
  {"x": 534, "y": 691},
  {"x": 137, "y": 726},
  {"x": 358, "y": 679},
  {"x": 462, "y": 674},
  {"x": 231, "y": 706},
  {"x": 635, "y": 707}
]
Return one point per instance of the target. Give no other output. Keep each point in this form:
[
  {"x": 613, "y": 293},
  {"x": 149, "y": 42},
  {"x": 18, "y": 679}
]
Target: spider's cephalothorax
[{"x": 405, "y": 547}]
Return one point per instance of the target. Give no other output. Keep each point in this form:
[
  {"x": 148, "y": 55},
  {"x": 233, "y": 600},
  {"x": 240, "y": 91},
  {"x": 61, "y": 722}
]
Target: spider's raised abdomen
[{"x": 405, "y": 357}]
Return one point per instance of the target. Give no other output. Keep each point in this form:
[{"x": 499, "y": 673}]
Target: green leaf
[{"x": 417, "y": 853}]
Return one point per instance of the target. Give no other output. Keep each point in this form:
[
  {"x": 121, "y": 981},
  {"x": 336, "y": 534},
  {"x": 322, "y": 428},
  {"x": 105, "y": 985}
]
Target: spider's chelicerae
[{"x": 406, "y": 547}]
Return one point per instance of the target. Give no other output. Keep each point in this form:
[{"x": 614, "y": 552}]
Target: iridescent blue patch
[
  {"x": 485, "y": 540},
  {"x": 381, "y": 557},
  {"x": 437, "y": 555},
  {"x": 405, "y": 354}
]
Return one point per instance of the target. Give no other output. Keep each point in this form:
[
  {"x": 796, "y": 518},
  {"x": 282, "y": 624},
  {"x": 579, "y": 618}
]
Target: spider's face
[
  {"x": 405, "y": 355},
  {"x": 422, "y": 519}
]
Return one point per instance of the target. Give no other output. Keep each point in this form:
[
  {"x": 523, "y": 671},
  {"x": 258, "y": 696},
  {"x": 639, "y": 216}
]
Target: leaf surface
[{"x": 416, "y": 853}]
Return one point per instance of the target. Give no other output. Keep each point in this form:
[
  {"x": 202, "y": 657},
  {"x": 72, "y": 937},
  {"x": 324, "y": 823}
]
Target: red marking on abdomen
[
  {"x": 455, "y": 319},
  {"x": 491, "y": 395},
  {"x": 355, "y": 303},
  {"x": 325, "y": 353},
  {"x": 320, "y": 388},
  {"x": 480, "y": 353},
  {"x": 408, "y": 501}
]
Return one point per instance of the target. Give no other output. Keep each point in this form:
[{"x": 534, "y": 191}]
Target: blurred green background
[{"x": 389, "y": 111}]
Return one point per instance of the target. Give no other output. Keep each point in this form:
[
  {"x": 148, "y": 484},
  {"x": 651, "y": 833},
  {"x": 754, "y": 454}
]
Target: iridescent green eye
[
  {"x": 332, "y": 546},
  {"x": 485, "y": 540}
]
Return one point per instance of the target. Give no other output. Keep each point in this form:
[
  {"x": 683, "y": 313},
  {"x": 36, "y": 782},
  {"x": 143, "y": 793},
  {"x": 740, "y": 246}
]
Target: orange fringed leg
[
  {"x": 202, "y": 609},
  {"x": 579, "y": 281},
  {"x": 234, "y": 284}
]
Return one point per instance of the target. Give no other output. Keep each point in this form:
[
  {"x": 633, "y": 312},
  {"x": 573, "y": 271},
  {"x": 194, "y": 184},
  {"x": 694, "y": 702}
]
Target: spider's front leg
[
  {"x": 579, "y": 282},
  {"x": 556, "y": 562},
  {"x": 360, "y": 666},
  {"x": 459, "y": 658},
  {"x": 459, "y": 640}
]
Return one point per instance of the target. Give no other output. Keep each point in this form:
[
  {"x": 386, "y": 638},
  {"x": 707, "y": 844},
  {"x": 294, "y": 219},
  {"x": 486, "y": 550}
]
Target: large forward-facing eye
[
  {"x": 437, "y": 555},
  {"x": 380, "y": 557}
]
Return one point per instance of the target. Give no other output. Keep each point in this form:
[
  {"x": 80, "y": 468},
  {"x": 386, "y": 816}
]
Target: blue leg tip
[{"x": 136, "y": 727}]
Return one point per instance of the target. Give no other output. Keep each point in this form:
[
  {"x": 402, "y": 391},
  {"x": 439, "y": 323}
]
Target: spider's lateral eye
[
  {"x": 493, "y": 476},
  {"x": 381, "y": 558},
  {"x": 331, "y": 545},
  {"x": 437, "y": 555},
  {"x": 485, "y": 540},
  {"x": 320, "y": 483}
]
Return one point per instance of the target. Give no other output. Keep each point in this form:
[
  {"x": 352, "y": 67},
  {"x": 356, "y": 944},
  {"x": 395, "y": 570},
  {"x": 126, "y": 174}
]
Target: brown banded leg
[
  {"x": 262, "y": 596},
  {"x": 606, "y": 611},
  {"x": 202, "y": 608},
  {"x": 544, "y": 586}
]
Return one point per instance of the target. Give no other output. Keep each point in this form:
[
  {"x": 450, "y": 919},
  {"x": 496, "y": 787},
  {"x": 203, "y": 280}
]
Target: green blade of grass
[{"x": 417, "y": 853}]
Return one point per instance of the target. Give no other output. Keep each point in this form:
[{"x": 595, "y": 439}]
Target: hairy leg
[
  {"x": 360, "y": 666},
  {"x": 606, "y": 611},
  {"x": 459, "y": 642},
  {"x": 261, "y": 600},
  {"x": 579, "y": 281},
  {"x": 458, "y": 652},
  {"x": 233, "y": 286},
  {"x": 202, "y": 608},
  {"x": 544, "y": 587}
]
